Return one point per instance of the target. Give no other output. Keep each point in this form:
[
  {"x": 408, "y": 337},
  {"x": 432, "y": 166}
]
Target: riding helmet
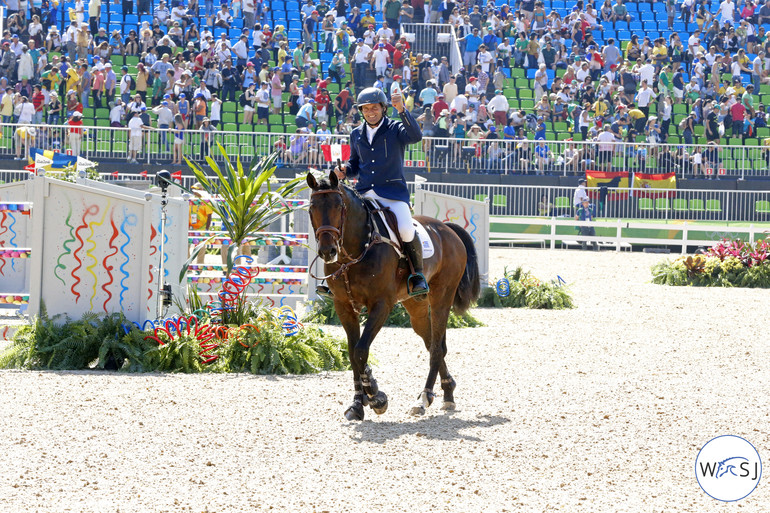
[{"x": 371, "y": 95}]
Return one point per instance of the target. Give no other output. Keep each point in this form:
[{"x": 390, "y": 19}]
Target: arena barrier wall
[
  {"x": 94, "y": 247},
  {"x": 471, "y": 215}
]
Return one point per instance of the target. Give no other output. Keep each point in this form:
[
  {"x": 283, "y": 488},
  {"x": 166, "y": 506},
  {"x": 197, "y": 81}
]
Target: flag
[
  {"x": 115, "y": 175},
  {"x": 58, "y": 160},
  {"x": 42, "y": 162},
  {"x": 177, "y": 176},
  {"x": 648, "y": 185},
  {"x": 143, "y": 174},
  {"x": 611, "y": 180},
  {"x": 83, "y": 164},
  {"x": 332, "y": 152}
]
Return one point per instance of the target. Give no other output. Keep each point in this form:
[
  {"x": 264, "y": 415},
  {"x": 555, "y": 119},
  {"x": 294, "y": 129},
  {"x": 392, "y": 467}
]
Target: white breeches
[{"x": 402, "y": 211}]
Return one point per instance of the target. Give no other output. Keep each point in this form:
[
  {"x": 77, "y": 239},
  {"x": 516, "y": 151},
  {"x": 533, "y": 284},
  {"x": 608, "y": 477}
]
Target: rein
[{"x": 337, "y": 233}]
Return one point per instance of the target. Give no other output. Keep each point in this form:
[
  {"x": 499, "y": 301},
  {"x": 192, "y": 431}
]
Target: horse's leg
[
  {"x": 378, "y": 314},
  {"x": 422, "y": 318},
  {"x": 349, "y": 320}
]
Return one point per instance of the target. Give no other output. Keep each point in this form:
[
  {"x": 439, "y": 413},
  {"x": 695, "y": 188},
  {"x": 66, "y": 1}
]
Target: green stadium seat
[
  {"x": 499, "y": 200},
  {"x": 662, "y": 204},
  {"x": 645, "y": 204},
  {"x": 696, "y": 205},
  {"x": 480, "y": 197},
  {"x": 713, "y": 206},
  {"x": 527, "y": 104},
  {"x": 679, "y": 205},
  {"x": 562, "y": 202},
  {"x": 762, "y": 207}
]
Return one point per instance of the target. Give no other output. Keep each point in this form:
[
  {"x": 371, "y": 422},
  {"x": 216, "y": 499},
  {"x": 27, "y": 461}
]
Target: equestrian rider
[{"x": 376, "y": 156}]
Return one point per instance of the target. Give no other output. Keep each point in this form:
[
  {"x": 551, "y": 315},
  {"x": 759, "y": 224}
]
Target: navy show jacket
[{"x": 379, "y": 164}]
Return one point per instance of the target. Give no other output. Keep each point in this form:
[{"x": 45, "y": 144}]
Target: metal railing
[
  {"x": 436, "y": 40},
  {"x": 433, "y": 154},
  {"x": 619, "y": 203}
]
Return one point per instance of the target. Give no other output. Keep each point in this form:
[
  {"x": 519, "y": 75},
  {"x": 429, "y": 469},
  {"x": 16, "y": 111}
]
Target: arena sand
[{"x": 600, "y": 408}]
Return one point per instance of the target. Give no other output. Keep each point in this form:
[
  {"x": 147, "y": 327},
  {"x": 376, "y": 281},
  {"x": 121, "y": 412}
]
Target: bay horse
[{"x": 362, "y": 272}]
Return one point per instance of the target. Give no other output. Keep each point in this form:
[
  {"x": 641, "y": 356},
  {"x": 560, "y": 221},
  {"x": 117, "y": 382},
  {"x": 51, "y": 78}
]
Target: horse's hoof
[
  {"x": 379, "y": 403},
  {"x": 448, "y": 406},
  {"x": 355, "y": 412},
  {"x": 417, "y": 411}
]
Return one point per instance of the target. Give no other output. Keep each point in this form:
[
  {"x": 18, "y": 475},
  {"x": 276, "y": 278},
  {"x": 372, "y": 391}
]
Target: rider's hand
[
  {"x": 397, "y": 101},
  {"x": 340, "y": 172}
]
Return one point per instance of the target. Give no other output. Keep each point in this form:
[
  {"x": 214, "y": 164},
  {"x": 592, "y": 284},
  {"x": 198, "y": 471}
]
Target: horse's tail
[{"x": 469, "y": 288}]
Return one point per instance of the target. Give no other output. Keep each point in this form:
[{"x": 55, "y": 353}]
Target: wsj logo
[{"x": 728, "y": 468}]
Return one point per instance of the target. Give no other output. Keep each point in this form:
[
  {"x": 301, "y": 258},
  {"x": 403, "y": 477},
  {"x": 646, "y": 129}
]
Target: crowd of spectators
[{"x": 184, "y": 76}]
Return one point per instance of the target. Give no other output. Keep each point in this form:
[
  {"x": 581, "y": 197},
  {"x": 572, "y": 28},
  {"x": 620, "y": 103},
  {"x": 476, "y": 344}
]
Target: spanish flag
[
  {"x": 662, "y": 185},
  {"x": 616, "y": 183}
]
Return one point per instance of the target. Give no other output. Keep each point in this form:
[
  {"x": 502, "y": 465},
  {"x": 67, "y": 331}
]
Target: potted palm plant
[{"x": 248, "y": 201}]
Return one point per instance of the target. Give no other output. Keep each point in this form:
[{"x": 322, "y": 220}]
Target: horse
[{"x": 362, "y": 272}]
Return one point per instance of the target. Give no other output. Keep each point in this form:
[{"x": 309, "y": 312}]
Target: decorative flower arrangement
[
  {"x": 520, "y": 289},
  {"x": 729, "y": 263}
]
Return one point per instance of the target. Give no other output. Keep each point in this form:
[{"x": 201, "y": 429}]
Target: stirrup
[
  {"x": 323, "y": 291},
  {"x": 410, "y": 286}
]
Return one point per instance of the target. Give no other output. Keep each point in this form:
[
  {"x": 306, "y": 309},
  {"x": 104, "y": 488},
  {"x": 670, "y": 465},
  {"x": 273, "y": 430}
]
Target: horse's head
[{"x": 327, "y": 215}]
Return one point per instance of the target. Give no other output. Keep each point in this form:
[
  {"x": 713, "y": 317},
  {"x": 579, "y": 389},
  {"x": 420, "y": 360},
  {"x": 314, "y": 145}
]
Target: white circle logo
[{"x": 728, "y": 468}]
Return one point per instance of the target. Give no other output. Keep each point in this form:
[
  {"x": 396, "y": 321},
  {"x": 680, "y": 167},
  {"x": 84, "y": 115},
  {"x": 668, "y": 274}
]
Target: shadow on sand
[{"x": 444, "y": 426}]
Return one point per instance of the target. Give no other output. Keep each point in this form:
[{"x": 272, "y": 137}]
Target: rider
[{"x": 376, "y": 156}]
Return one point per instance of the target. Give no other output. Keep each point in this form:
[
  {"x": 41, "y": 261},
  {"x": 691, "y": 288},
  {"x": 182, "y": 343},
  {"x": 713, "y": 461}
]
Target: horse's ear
[
  {"x": 333, "y": 180},
  {"x": 311, "y": 181}
]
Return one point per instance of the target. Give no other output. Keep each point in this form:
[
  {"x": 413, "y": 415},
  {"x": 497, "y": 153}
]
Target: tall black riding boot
[{"x": 416, "y": 285}]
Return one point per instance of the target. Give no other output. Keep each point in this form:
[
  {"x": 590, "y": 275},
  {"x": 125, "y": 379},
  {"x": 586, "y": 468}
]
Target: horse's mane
[{"x": 325, "y": 185}]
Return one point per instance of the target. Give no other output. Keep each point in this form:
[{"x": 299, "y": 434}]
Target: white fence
[
  {"x": 620, "y": 203},
  {"x": 433, "y": 154},
  {"x": 620, "y": 235}
]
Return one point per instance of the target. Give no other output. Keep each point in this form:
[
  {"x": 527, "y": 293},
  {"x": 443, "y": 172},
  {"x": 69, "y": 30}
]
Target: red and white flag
[
  {"x": 332, "y": 152},
  {"x": 177, "y": 176}
]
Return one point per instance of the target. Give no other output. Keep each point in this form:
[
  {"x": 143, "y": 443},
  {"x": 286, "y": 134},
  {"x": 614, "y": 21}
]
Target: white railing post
[
  {"x": 553, "y": 232},
  {"x": 684, "y": 237},
  {"x": 619, "y": 235}
]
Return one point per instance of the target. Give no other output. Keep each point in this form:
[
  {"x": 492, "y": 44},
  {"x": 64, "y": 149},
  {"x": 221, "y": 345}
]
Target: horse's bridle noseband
[{"x": 335, "y": 232}]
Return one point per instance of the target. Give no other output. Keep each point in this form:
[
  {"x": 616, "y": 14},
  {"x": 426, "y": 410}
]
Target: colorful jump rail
[
  {"x": 269, "y": 299},
  {"x": 21, "y": 208},
  {"x": 199, "y": 268},
  {"x": 255, "y": 281},
  {"x": 8, "y": 253},
  {"x": 294, "y": 203},
  {"x": 267, "y": 240},
  {"x": 14, "y": 299}
]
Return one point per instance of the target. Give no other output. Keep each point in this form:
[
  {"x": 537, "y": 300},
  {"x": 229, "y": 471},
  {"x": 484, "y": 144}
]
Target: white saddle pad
[
  {"x": 427, "y": 242},
  {"x": 422, "y": 234}
]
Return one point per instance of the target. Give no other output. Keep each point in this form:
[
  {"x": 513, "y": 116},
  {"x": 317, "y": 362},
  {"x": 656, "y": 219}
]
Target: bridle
[{"x": 336, "y": 233}]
